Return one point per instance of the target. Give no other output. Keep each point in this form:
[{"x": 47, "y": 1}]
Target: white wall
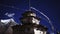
[{"x": 39, "y": 32}]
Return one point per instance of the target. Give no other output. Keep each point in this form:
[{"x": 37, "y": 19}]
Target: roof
[{"x": 40, "y": 27}]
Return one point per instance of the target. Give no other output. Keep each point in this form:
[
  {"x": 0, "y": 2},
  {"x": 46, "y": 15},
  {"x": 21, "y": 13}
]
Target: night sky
[{"x": 51, "y": 8}]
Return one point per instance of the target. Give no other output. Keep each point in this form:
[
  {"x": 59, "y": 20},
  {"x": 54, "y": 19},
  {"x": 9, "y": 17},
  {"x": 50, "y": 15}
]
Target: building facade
[{"x": 30, "y": 24}]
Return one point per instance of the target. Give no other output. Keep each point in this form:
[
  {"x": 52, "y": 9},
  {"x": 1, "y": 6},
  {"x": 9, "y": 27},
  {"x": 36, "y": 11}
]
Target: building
[
  {"x": 30, "y": 24},
  {"x": 5, "y": 26}
]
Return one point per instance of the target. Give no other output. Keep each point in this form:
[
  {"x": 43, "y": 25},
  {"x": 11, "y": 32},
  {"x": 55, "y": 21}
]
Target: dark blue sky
[{"x": 49, "y": 7}]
